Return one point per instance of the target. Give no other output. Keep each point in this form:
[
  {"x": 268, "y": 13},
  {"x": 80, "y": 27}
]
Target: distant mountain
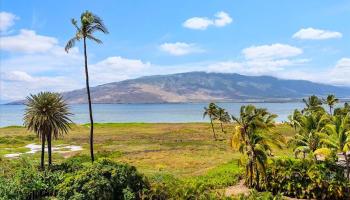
[{"x": 203, "y": 87}]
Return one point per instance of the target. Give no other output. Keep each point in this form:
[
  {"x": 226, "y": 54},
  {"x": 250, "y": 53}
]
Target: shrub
[
  {"x": 103, "y": 180},
  {"x": 307, "y": 179}
]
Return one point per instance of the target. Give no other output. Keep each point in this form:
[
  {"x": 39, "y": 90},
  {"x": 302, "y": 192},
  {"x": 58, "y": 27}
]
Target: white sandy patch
[{"x": 34, "y": 148}]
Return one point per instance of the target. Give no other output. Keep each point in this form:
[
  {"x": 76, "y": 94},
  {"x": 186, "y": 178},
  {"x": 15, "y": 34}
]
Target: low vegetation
[{"x": 304, "y": 158}]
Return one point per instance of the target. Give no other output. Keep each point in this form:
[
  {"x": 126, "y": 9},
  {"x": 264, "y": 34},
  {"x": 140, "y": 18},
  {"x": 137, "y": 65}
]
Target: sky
[{"x": 289, "y": 39}]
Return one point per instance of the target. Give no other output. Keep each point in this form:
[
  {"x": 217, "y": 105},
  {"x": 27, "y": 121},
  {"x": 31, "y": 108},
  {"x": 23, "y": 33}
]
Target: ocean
[{"x": 169, "y": 112}]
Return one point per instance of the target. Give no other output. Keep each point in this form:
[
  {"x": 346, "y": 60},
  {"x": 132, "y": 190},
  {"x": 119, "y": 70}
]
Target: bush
[
  {"x": 29, "y": 183},
  {"x": 307, "y": 179},
  {"x": 103, "y": 180}
]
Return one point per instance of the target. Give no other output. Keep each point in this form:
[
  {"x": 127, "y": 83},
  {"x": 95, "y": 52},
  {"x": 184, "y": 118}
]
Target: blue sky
[{"x": 291, "y": 39}]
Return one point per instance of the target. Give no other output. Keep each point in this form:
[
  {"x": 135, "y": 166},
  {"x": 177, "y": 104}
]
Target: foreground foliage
[{"x": 303, "y": 178}]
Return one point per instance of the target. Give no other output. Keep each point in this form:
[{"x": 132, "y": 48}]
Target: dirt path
[{"x": 238, "y": 189}]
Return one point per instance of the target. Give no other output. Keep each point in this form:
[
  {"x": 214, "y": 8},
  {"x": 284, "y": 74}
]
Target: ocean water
[{"x": 182, "y": 112}]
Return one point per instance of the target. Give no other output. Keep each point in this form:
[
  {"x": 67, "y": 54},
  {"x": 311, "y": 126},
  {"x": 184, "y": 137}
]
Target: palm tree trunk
[
  {"x": 330, "y": 110},
  {"x": 42, "y": 152},
  {"x": 49, "y": 149},
  {"x": 90, "y": 107},
  {"x": 222, "y": 128},
  {"x": 347, "y": 166},
  {"x": 212, "y": 126}
]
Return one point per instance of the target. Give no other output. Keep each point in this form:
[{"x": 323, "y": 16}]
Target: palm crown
[{"x": 89, "y": 24}]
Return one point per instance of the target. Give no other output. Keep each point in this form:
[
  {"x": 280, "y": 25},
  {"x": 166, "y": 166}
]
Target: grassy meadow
[{"x": 180, "y": 149}]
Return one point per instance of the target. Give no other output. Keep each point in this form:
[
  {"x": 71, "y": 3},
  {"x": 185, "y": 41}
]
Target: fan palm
[
  {"x": 253, "y": 140},
  {"x": 336, "y": 136},
  {"x": 331, "y": 101},
  {"x": 47, "y": 115},
  {"x": 211, "y": 112},
  {"x": 89, "y": 24}
]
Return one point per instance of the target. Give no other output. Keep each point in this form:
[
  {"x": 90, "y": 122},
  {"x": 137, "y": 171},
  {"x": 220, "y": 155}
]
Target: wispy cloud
[
  {"x": 316, "y": 34},
  {"x": 180, "y": 48},
  {"x": 273, "y": 51},
  {"x": 7, "y": 20},
  {"x": 201, "y": 23}
]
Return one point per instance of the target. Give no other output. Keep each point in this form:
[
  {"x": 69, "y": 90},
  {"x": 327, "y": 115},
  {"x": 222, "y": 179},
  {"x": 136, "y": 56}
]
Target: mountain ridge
[{"x": 202, "y": 87}]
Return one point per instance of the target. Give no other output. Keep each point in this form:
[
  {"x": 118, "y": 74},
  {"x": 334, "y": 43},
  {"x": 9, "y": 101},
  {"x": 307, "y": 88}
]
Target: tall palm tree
[
  {"x": 223, "y": 117},
  {"x": 336, "y": 136},
  {"x": 331, "y": 101},
  {"x": 48, "y": 116},
  {"x": 89, "y": 24},
  {"x": 313, "y": 104},
  {"x": 211, "y": 112},
  {"x": 253, "y": 139}
]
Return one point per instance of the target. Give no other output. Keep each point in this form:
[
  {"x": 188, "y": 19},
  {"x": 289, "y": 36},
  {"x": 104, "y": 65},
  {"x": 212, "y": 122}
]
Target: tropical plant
[
  {"x": 223, "y": 117},
  {"x": 331, "y": 101},
  {"x": 89, "y": 24},
  {"x": 313, "y": 104},
  {"x": 336, "y": 136},
  {"x": 307, "y": 139},
  {"x": 48, "y": 116},
  {"x": 211, "y": 112},
  {"x": 294, "y": 119},
  {"x": 343, "y": 111},
  {"x": 252, "y": 139}
]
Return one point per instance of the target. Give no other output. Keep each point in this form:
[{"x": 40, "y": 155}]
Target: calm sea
[{"x": 186, "y": 112}]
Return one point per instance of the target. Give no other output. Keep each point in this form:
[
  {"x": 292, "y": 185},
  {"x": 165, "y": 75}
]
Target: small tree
[
  {"x": 211, "y": 111},
  {"x": 223, "y": 117},
  {"x": 331, "y": 101},
  {"x": 48, "y": 116}
]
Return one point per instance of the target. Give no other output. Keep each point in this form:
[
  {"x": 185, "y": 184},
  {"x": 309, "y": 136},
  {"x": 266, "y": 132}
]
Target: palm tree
[
  {"x": 89, "y": 24},
  {"x": 251, "y": 138},
  {"x": 294, "y": 119},
  {"x": 313, "y": 104},
  {"x": 48, "y": 116},
  {"x": 211, "y": 111},
  {"x": 223, "y": 117},
  {"x": 307, "y": 139},
  {"x": 331, "y": 101},
  {"x": 336, "y": 136}
]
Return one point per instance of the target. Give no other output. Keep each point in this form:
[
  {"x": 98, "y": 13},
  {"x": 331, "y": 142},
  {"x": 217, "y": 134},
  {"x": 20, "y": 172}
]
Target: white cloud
[
  {"x": 273, "y": 51},
  {"x": 6, "y": 21},
  {"x": 180, "y": 48},
  {"x": 316, "y": 34},
  {"x": 117, "y": 68},
  {"x": 341, "y": 72},
  {"x": 222, "y": 19},
  {"x": 201, "y": 23},
  {"x": 27, "y": 41},
  {"x": 16, "y": 85}
]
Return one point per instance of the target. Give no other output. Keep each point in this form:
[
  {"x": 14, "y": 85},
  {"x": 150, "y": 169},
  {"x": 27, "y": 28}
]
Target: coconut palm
[
  {"x": 331, "y": 101},
  {"x": 251, "y": 138},
  {"x": 223, "y": 117},
  {"x": 211, "y": 112},
  {"x": 313, "y": 104},
  {"x": 336, "y": 136},
  {"x": 307, "y": 139},
  {"x": 89, "y": 24},
  {"x": 47, "y": 115},
  {"x": 342, "y": 111},
  {"x": 294, "y": 119}
]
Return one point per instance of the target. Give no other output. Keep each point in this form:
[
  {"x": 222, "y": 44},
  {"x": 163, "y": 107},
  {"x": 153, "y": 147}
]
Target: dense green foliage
[
  {"x": 73, "y": 179},
  {"x": 303, "y": 178},
  {"x": 103, "y": 180}
]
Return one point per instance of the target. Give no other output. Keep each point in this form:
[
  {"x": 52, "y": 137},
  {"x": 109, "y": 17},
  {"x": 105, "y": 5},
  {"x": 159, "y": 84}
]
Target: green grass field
[{"x": 180, "y": 149}]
